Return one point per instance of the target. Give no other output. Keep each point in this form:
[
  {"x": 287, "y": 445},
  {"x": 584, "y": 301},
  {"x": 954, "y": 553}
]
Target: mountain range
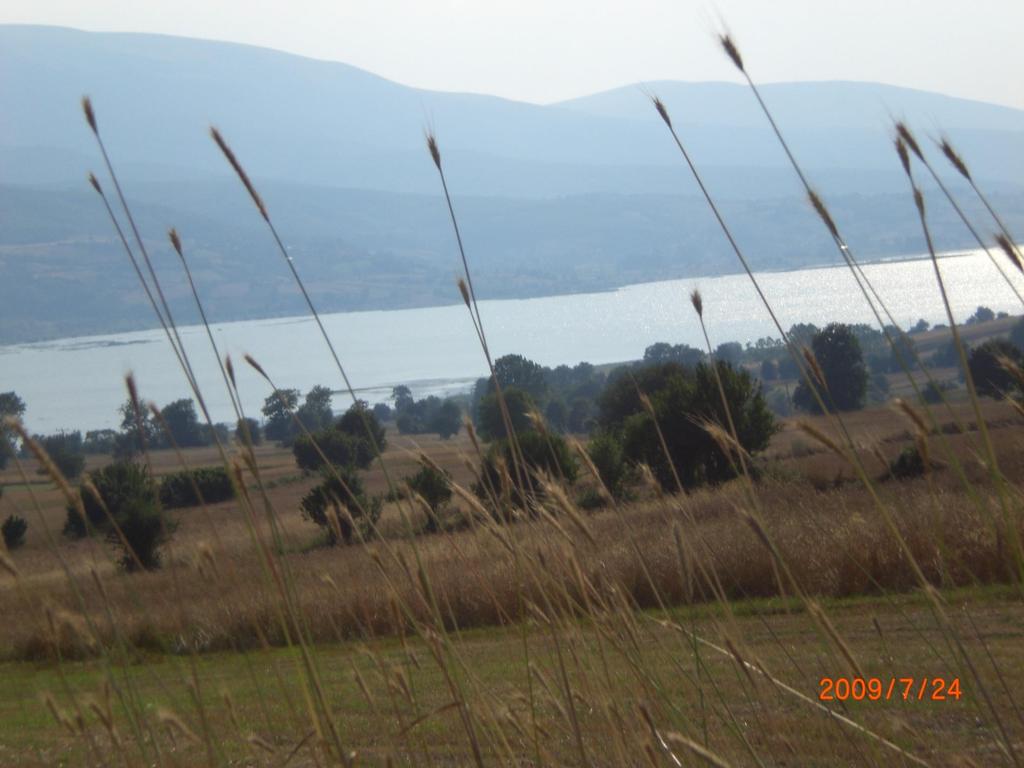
[{"x": 586, "y": 194}]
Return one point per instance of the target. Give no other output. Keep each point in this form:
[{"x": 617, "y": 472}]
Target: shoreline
[{"x": 98, "y": 339}]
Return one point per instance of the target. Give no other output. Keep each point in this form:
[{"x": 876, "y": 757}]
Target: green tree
[
  {"x": 139, "y": 431},
  {"x": 247, "y": 431},
  {"x": 544, "y": 455},
  {"x": 981, "y": 315},
  {"x": 99, "y": 441},
  {"x": 516, "y": 371},
  {"x": 360, "y": 421},
  {"x": 131, "y": 498},
  {"x": 315, "y": 412},
  {"x": 991, "y": 378},
  {"x": 402, "y": 396},
  {"x": 729, "y": 352},
  {"x": 340, "y": 448},
  {"x": 182, "y": 423},
  {"x": 435, "y": 488},
  {"x": 13, "y": 531},
  {"x": 1017, "y": 334},
  {"x": 683, "y": 401},
  {"x": 65, "y": 450},
  {"x": 448, "y": 420},
  {"x": 491, "y": 424},
  {"x": 339, "y": 504},
  {"x": 839, "y": 356},
  {"x": 13, "y": 407},
  {"x": 605, "y": 451},
  {"x": 278, "y": 409}
]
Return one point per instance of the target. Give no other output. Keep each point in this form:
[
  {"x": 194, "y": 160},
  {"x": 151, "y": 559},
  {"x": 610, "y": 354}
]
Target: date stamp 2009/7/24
[{"x": 891, "y": 689}]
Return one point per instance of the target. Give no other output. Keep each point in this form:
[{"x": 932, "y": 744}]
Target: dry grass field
[{"x": 206, "y": 627}]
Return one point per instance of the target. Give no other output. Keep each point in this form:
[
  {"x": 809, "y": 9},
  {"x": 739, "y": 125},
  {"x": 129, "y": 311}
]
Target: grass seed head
[
  {"x": 919, "y": 201},
  {"x": 822, "y": 211},
  {"x": 698, "y": 302},
  {"x": 90, "y": 116},
  {"x": 258, "y": 368},
  {"x": 901, "y": 150},
  {"x": 172, "y": 233},
  {"x": 954, "y": 159},
  {"x": 240, "y": 171},
  {"x": 658, "y": 105},
  {"x": 732, "y": 51},
  {"x": 908, "y": 138},
  {"x": 95, "y": 183},
  {"x": 435, "y": 153},
  {"x": 1010, "y": 251}
]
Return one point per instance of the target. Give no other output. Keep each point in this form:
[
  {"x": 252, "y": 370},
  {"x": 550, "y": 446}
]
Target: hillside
[{"x": 584, "y": 195}]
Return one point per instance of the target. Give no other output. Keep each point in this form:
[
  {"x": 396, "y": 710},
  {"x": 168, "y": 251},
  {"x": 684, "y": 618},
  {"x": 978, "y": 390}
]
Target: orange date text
[{"x": 889, "y": 689}]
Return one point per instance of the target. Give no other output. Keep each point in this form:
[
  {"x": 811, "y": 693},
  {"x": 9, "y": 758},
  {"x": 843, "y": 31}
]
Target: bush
[
  {"x": 13, "y": 530},
  {"x": 99, "y": 441},
  {"x": 179, "y": 489},
  {"x": 434, "y": 486},
  {"x": 1017, "y": 334},
  {"x": 991, "y": 379},
  {"x": 65, "y": 449},
  {"x": 341, "y": 449},
  {"x": 981, "y": 315},
  {"x": 908, "y": 464},
  {"x": 605, "y": 451},
  {"x": 839, "y": 356},
  {"x": 337, "y": 506},
  {"x": 490, "y": 422},
  {"x": 247, "y": 431},
  {"x": 932, "y": 392},
  {"x": 360, "y": 419},
  {"x": 543, "y": 454},
  {"x": 132, "y": 499},
  {"x": 682, "y": 401}
]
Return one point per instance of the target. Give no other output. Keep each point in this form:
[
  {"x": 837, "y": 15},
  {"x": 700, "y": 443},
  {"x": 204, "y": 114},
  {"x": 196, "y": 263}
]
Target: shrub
[
  {"x": 839, "y": 356},
  {"x": 491, "y": 423},
  {"x": 13, "y": 530},
  {"x": 908, "y": 464},
  {"x": 991, "y": 379},
  {"x": 341, "y": 449},
  {"x": 360, "y": 419},
  {"x": 932, "y": 392},
  {"x": 336, "y": 505},
  {"x": 981, "y": 315},
  {"x": 1017, "y": 334},
  {"x": 605, "y": 451},
  {"x": 247, "y": 431},
  {"x": 65, "y": 449},
  {"x": 682, "y": 401},
  {"x": 99, "y": 441},
  {"x": 434, "y": 486},
  {"x": 132, "y": 499},
  {"x": 179, "y": 489},
  {"x": 543, "y": 455}
]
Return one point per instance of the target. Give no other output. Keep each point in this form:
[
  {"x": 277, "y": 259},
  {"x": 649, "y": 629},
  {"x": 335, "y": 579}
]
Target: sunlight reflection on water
[{"x": 78, "y": 383}]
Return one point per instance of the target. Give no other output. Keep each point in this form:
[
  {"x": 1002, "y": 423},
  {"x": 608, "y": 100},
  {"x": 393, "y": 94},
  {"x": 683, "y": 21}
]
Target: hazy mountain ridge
[{"x": 584, "y": 195}]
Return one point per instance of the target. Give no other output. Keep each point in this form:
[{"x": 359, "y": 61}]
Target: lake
[{"x": 79, "y": 383}]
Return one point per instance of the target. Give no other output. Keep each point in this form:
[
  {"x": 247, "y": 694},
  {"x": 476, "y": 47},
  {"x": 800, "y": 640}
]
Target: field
[{"x": 199, "y": 642}]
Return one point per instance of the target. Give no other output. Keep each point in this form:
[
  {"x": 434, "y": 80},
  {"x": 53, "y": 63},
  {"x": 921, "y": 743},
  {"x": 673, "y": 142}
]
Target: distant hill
[
  {"x": 587, "y": 194},
  {"x": 316, "y": 122}
]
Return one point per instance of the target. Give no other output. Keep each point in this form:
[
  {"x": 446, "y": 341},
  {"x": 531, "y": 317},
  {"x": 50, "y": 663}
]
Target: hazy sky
[{"x": 546, "y": 50}]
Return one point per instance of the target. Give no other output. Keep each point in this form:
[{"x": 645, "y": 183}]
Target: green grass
[{"x": 264, "y": 685}]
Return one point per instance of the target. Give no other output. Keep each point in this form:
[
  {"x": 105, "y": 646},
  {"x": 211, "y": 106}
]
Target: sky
[{"x": 548, "y": 50}]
